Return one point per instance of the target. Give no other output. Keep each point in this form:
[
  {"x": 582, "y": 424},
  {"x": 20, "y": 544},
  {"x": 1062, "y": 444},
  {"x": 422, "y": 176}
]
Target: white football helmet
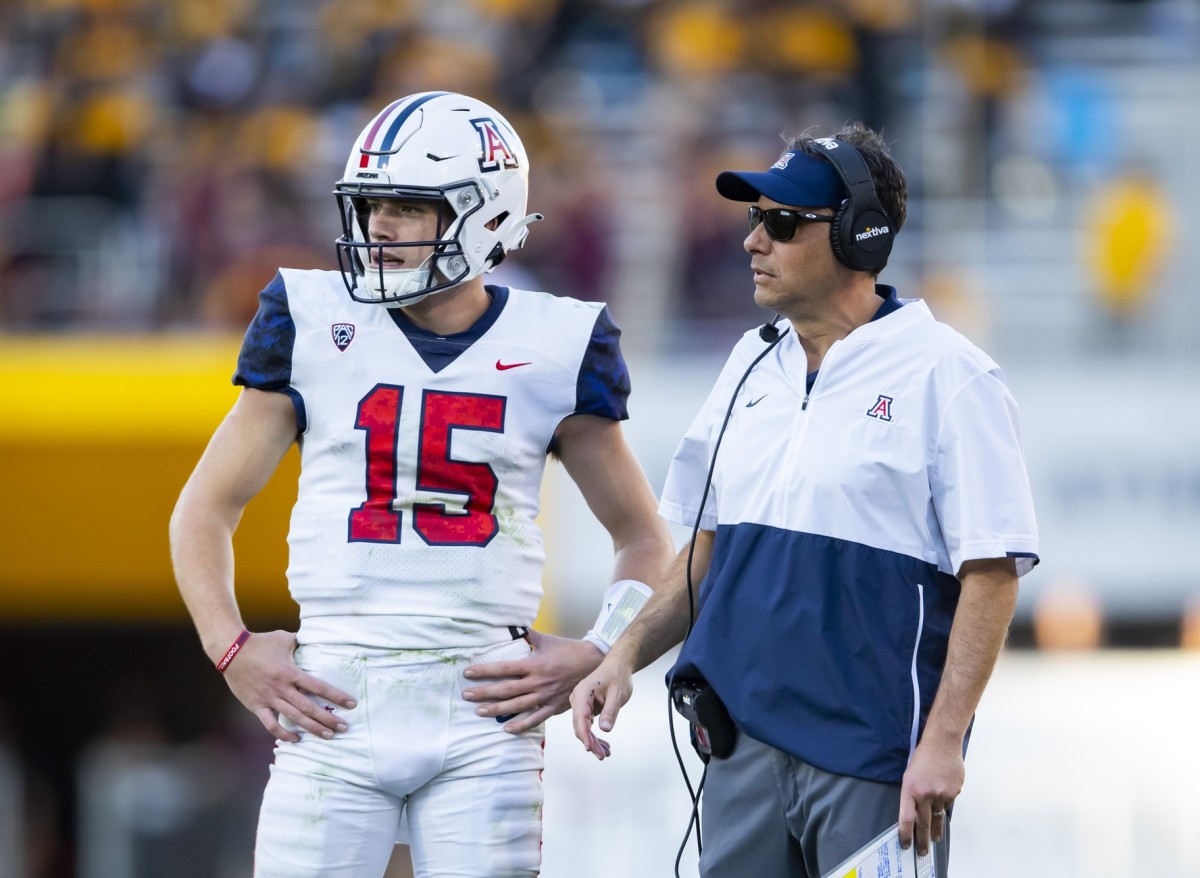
[{"x": 443, "y": 147}]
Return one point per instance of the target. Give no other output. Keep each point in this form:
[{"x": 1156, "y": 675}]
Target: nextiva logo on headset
[{"x": 872, "y": 233}]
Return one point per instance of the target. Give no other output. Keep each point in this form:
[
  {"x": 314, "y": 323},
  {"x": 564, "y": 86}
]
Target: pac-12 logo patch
[
  {"x": 494, "y": 152},
  {"x": 343, "y": 334},
  {"x": 882, "y": 408}
]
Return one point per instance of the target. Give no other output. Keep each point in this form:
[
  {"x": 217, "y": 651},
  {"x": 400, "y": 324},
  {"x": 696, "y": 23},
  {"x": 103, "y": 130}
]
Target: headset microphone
[{"x": 768, "y": 332}]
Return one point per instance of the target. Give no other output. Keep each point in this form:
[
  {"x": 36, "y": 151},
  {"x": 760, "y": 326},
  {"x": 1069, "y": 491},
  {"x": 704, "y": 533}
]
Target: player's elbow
[
  {"x": 649, "y": 538},
  {"x": 197, "y": 512}
]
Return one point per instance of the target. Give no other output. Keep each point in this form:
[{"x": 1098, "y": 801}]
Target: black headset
[{"x": 861, "y": 233}]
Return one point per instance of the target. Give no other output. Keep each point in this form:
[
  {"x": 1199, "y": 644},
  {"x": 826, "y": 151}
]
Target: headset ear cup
[
  {"x": 839, "y": 233},
  {"x": 860, "y": 234}
]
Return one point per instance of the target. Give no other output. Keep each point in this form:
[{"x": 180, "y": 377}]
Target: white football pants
[{"x": 415, "y": 752}]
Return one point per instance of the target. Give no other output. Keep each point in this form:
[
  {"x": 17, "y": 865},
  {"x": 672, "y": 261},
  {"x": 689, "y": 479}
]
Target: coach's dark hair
[{"x": 890, "y": 185}]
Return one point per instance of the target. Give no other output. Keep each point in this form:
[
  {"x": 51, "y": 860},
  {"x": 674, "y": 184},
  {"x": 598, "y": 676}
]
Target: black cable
[
  {"x": 774, "y": 337},
  {"x": 694, "y": 795},
  {"x": 712, "y": 466}
]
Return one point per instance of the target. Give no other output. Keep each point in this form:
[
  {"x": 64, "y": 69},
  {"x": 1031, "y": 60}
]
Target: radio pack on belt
[{"x": 713, "y": 730}]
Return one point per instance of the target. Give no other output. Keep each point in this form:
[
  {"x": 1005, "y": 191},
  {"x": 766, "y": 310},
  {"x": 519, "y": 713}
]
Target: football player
[{"x": 425, "y": 404}]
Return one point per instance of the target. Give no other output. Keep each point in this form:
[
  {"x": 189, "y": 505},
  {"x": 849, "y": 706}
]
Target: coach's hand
[
  {"x": 267, "y": 680},
  {"x": 536, "y": 687},
  {"x": 932, "y": 782},
  {"x": 608, "y": 689}
]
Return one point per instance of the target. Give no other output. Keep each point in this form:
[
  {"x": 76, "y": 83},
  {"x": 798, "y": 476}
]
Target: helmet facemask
[{"x": 363, "y": 262}]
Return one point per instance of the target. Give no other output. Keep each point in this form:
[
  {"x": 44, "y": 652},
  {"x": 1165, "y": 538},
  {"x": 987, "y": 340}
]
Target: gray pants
[{"x": 770, "y": 815}]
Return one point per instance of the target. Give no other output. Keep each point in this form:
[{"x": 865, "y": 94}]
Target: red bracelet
[{"x": 232, "y": 651}]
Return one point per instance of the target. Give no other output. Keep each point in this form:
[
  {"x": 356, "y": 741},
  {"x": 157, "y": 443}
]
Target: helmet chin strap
[
  {"x": 419, "y": 279},
  {"x": 399, "y": 282}
]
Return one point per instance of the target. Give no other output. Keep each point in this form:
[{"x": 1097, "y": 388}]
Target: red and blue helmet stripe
[{"x": 383, "y": 152}]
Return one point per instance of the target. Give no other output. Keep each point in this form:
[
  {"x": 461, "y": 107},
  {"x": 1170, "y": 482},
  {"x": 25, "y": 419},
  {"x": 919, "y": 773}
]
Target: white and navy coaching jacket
[{"x": 842, "y": 513}]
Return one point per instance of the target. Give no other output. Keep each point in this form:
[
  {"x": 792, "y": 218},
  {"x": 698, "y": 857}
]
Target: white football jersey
[{"x": 422, "y": 456}]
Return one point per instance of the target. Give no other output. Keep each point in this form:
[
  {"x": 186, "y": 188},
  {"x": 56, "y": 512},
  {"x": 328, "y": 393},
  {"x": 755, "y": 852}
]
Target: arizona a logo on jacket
[{"x": 882, "y": 408}]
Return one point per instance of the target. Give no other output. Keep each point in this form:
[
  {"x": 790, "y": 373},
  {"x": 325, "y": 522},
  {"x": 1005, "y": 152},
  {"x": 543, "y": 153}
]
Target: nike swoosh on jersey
[
  {"x": 502, "y": 366},
  {"x": 752, "y": 403}
]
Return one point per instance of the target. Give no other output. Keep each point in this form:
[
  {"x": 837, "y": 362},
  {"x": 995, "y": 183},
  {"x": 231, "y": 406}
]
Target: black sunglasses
[{"x": 780, "y": 222}]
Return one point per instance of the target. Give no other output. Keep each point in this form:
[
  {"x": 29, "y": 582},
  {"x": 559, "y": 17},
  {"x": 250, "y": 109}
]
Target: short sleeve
[
  {"x": 265, "y": 360},
  {"x": 980, "y": 486},
  {"x": 602, "y": 387}
]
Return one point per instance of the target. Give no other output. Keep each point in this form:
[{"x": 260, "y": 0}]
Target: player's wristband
[
  {"x": 232, "y": 651},
  {"x": 622, "y": 602}
]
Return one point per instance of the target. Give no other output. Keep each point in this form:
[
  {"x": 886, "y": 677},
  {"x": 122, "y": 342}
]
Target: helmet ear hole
[
  {"x": 497, "y": 221},
  {"x": 496, "y": 256}
]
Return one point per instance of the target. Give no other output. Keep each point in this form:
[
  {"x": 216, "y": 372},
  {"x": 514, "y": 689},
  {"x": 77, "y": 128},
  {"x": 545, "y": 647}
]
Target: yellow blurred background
[{"x": 99, "y": 435}]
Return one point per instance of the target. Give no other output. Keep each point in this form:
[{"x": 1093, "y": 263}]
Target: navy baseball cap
[{"x": 797, "y": 179}]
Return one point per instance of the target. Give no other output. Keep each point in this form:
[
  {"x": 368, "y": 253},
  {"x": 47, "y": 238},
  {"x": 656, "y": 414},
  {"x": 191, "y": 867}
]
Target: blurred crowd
[{"x": 159, "y": 160}]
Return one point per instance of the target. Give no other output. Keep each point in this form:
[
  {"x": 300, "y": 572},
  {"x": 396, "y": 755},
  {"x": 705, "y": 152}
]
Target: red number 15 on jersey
[{"x": 376, "y": 520}]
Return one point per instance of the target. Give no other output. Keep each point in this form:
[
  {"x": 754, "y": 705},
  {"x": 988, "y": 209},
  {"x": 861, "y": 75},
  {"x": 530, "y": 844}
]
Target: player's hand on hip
[
  {"x": 536, "y": 687},
  {"x": 267, "y": 680},
  {"x": 607, "y": 690},
  {"x": 932, "y": 782}
]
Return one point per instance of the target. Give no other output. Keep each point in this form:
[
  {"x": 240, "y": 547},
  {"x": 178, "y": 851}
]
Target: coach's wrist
[{"x": 942, "y": 737}]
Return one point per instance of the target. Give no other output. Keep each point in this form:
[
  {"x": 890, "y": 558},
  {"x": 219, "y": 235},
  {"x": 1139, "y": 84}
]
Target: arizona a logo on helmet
[{"x": 495, "y": 153}]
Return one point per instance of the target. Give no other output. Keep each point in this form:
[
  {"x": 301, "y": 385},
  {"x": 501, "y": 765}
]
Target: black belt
[{"x": 517, "y": 632}]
